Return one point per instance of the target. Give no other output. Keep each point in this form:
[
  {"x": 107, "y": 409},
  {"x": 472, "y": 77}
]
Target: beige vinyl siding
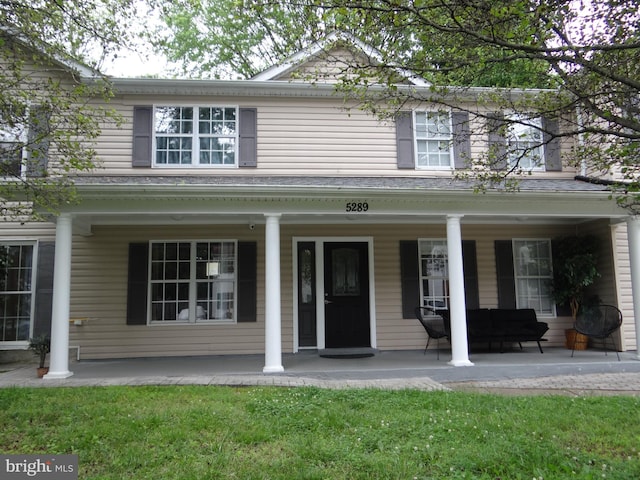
[
  {"x": 114, "y": 146},
  {"x": 327, "y": 66},
  {"x": 99, "y": 288},
  {"x": 623, "y": 282},
  {"x": 394, "y": 332},
  {"x": 12, "y": 230},
  {"x": 614, "y": 284},
  {"x": 99, "y": 292},
  {"x": 35, "y": 71},
  {"x": 323, "y": 140},
  {"x": 397, "y": 333},
  {"x": 296, "y": 136}
]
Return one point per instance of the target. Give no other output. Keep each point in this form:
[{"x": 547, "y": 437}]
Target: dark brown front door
[{"x": 346, "y": 286}]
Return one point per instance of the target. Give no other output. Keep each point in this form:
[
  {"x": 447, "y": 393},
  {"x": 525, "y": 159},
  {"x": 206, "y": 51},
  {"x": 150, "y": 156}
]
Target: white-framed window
[
  {"x": 16, "y": 291},
  {"x": 533, "y": 271},
  {"x": 525, "y": 142},
  {"x": 434, "y": 139},
  {"x": 13, "y": 138},
  {"x": 195, "y": 136},
  {"x": 193, "y": 281},
  {"x": 434, "y": 273}
]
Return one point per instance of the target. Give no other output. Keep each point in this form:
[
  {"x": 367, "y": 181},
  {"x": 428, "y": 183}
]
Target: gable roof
[
  {"x": 296, "y": 60},
  {"x": 67, "y": 62}
]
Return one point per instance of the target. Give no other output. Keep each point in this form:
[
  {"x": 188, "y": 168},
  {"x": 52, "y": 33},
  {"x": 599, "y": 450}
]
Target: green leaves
[
  {"x": 53, "y": 115},
  {"x": 587, "y": 53},
  {"x": 575, "y": 267}
]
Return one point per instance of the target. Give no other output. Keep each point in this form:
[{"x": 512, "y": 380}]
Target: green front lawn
[{"x": 198, "y": 433}]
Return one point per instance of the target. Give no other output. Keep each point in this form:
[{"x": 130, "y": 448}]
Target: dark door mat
[{"x": 347, "y": 352}]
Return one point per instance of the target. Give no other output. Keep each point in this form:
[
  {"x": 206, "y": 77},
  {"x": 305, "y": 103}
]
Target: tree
[
  {"x": 224, "y": 39},
  {"x": 50, "y": 53},
  {"x": 584, "y": 54},
  {"x": 575, "y": 268}
]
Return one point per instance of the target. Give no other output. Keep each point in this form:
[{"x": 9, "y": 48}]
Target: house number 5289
[{"x": 357, "y": 206}]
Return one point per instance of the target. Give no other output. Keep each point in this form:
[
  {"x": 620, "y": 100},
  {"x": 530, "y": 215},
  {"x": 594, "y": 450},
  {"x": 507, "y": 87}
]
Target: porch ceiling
[{"x": 237, "y": 200}]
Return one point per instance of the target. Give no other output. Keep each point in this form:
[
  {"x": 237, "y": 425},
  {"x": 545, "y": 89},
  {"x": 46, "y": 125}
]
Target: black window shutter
[
  {"x": 470, "y": 266},
  {"x": 404, "y": 140},
  {"x": 248, "y": 138},
  {"x": 553, "y": 161},
  {"x": 497, "y": 142},
  {"x": 409, "y": 277},
  {"x": 504, "y": 272},
  {"x": 44, "y": 289},
  {"x": 142, "y": 136},
  {"x": 247, "y": 281},
  {"x": 137, "y": 286},
  {"x": 563, "y": 309},
  {"x": 461, "y": 139},
  {"x": 38, "y": 141}
]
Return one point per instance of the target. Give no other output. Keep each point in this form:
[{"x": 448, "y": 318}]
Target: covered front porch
[{"x": 281, "y": 217}]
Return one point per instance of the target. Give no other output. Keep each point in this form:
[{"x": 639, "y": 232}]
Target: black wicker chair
[
  {"x": 599, "y": 322},
  {"x": 434, "y": 327}
]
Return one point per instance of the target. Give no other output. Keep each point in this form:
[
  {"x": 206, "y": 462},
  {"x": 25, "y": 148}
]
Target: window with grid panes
[
  {"x": 193, "y": 281},
  {"x": 525, "y": 142},
  {"x": 191, "y": 136},
  {"x": 533, "y": 275},
  {"x": 16, "y": 291},
  {"x": 13, "y": 136},
  {"x": 434, "y": 273},
  {"x": 433, "y": 139}
]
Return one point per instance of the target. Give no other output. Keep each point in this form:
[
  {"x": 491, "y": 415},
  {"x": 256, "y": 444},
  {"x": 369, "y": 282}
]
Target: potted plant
[
  {"x": 41, "y": 346},
  {"x": 575, "y": 267}
]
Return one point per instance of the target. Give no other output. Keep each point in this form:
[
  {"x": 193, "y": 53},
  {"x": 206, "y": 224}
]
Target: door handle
[{"x": 327, "y": 302}]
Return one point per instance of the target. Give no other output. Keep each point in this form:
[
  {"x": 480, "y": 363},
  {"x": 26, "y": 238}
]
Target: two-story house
[{"x": 262, "y": 217}]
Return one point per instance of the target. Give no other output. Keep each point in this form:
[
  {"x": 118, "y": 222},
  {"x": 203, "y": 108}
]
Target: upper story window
[
  {"x": 192, "y": 136},
  {"x": 13, "y": 137},
  {"x": 433, "y": 136},
  {"x": 524, "y": 143}
]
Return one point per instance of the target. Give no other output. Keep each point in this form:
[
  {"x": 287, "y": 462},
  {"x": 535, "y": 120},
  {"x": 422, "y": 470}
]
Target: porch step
[{"x": 361, "y": 352}]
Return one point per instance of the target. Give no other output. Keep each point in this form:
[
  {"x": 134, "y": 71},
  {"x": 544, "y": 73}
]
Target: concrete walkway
[{"x": 516, "y": 372}]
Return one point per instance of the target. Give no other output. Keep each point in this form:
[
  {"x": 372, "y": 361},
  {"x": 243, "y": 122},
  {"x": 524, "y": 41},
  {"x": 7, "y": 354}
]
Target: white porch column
[
  {"x": 457, "y": 302},
  {"x": 633, "y": 237},
  {"x": 273, "y": 331},
  {"x": 59, "y": 364}
]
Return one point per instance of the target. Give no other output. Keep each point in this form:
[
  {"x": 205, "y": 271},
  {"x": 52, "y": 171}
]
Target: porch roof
[
  {"x": 386, "y": 183},
  {"x": 202, "y": 199}
]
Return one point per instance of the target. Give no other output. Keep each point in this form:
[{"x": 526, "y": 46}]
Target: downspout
[{"x": 583, "y": 162}]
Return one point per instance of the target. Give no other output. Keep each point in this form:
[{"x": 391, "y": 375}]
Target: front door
[{"x": 346, "y": 295}]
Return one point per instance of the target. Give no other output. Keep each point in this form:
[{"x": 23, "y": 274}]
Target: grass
[{"x": 201, "y": 433}]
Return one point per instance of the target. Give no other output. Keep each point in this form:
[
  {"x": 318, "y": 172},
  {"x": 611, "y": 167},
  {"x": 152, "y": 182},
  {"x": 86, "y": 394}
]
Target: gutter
[
  {"x": 283, "y": 191},
  {"x": 600, "y": 181},
  {"x": 264, "y": 88}
]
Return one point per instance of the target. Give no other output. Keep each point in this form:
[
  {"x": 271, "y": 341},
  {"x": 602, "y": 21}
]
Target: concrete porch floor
[{"x": 515, "y": 371}]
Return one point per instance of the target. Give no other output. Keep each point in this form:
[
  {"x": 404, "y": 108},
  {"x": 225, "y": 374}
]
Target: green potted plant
[
  {"x": 575, "y": 268},
  {"x": 41, "y": 346}
]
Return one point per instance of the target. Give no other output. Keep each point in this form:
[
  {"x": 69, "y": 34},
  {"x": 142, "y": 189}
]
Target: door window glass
[{"x": 346, "y": 267}]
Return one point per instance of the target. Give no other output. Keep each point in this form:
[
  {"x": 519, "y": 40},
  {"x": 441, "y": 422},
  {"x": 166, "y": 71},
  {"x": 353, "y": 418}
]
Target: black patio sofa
[{"x": 501, "y": 325}]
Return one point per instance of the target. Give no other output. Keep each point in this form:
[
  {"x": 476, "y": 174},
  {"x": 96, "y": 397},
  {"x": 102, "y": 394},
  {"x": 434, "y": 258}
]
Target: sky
[
  {"x": 132, "y": 65},
  {"x": 145, "y": 62}
]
